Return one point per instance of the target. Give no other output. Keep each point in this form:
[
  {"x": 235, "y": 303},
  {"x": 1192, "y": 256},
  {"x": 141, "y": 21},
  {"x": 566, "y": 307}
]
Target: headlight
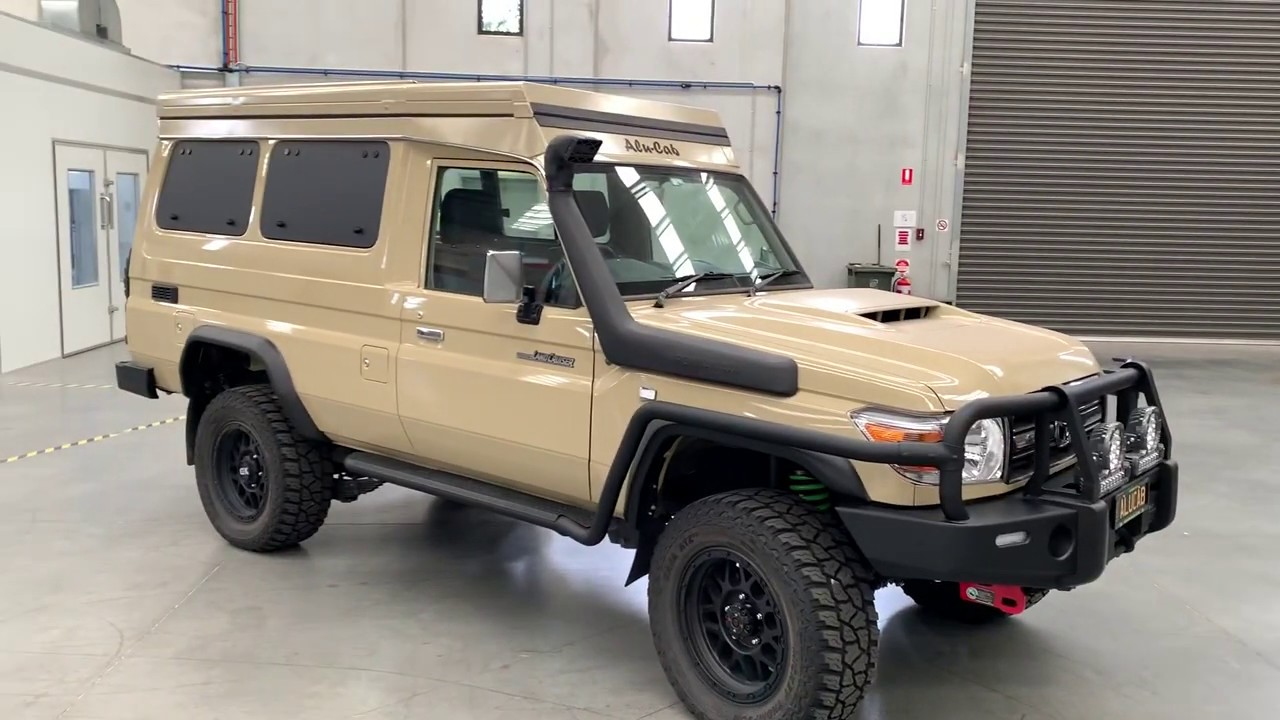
[{"x": 984, "y": 446}]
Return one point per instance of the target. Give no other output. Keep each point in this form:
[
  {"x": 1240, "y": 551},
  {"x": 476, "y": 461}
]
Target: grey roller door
[{"x": 1122, "y": 169}]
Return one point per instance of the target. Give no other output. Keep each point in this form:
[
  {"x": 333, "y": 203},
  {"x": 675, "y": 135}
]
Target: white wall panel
[
  {"x": 26, "y": 9},
  {"x": 70, "y": 90},
  {"x": 173, "y": 31},
  {"x": 320, "y": 33}
]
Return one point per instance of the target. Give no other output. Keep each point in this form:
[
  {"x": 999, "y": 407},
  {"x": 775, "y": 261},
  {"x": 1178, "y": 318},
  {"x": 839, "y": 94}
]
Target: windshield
[{"x": 654, "y": 226}]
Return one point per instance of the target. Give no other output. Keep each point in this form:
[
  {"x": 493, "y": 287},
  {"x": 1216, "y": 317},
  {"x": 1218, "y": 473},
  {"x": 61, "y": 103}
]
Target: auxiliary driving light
[
  {"x": 1143, "y": 449},
  {"x": 1106, "y": 442}
]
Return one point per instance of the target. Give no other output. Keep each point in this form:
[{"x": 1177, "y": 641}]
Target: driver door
[{"x": 480, "y": 393}]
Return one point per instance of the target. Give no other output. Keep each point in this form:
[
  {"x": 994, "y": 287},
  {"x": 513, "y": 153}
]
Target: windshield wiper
[
  {"x": 770, "y": 278},
  {"x": 686, "y": 281}
]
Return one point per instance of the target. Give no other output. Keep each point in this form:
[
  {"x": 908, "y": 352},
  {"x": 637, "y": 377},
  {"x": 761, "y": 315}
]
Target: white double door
[{"x": 99, "y": 193}]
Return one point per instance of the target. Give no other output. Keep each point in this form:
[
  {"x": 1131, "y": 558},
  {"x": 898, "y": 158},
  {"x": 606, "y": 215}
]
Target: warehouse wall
[
  {"x": 854, "y": 116},
  {"x": 71, "y": 90}
]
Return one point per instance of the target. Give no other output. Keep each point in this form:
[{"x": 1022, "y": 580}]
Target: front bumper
[{"x": 1068, "y": 540}]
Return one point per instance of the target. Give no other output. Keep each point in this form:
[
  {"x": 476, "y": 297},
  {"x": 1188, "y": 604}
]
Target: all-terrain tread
[
  {"x": 826, "y": 568},
  {"x": 307, "y": 490}
]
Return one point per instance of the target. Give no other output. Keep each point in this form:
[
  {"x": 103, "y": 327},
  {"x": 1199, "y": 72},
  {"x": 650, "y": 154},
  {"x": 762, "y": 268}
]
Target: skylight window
[
  {"x": 501, "y": 17},
  {"x": 692, "y": 20},
  {"x": 880, "y": 22}
]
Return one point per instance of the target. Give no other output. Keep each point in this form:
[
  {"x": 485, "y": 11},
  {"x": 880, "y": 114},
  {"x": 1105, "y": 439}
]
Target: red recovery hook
[{"x": 1009, "y": 599}]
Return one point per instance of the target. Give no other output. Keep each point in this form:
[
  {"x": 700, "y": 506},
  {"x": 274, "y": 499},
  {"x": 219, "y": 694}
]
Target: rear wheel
[
  {"x": 262, "y": 487},
  {"x": 943, "y": 599},
  {"x": 760, "y": 607}
]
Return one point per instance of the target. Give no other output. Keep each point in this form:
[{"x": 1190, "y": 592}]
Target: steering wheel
[{"x": 553, "y": 282}]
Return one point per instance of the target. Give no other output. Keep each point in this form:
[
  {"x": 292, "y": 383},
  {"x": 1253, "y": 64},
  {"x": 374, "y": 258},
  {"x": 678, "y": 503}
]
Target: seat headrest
[
  {"x": 467, "y": 209},
  {"x": 595, "y": 210}
]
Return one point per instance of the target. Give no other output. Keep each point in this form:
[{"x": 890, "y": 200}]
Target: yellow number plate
[{"x": 1130, "y": 504}]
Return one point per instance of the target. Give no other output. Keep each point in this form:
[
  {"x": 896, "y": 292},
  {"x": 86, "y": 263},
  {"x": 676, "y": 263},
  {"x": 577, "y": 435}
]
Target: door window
[
  {"x": 84, "y": 231},
  {"x": 479, "y": 210},
  {"x": 128, "y": 194}
]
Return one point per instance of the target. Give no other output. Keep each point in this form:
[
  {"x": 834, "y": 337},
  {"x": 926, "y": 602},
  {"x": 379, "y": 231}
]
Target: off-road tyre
[
  {"x": 824, "y": 593},
  {"x": 942, "y": 599},
  {"x": 297, "y": 490}
]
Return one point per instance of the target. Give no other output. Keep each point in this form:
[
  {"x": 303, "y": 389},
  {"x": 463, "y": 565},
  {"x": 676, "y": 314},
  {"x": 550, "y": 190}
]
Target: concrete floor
[{"x": 118, "y": 601}]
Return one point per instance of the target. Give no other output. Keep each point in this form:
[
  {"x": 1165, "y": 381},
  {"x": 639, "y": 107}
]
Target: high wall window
[
  {"x": 692, "y": 20},
  {"x": 501, "y": 17},
  {"x": 326, "y": 192},
  {"x": 208, "y": 187},
  {"x": 880, "y": 22}
]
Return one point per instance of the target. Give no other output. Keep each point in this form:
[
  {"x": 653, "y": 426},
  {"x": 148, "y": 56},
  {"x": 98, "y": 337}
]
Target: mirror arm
[{"x": 529, "y": 312}]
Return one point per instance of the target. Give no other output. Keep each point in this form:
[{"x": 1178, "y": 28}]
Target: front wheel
[{"x": 761, "y": 607}]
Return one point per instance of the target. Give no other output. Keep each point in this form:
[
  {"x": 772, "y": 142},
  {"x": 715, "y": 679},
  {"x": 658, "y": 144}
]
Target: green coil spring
[{"x": 810, "y": 490}]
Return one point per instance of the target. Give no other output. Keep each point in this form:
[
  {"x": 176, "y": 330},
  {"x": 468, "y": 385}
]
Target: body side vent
[{"x": 164, "y": 293}]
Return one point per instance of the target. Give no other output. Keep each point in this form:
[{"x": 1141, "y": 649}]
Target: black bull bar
[{"x": 1059, "y": 403}]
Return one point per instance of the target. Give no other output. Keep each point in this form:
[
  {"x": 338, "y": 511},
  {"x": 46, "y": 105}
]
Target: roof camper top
[{"x": 517, "y": 118}]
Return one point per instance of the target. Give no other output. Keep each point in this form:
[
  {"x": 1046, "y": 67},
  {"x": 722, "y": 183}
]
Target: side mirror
[{"x": 503, "y": 276}]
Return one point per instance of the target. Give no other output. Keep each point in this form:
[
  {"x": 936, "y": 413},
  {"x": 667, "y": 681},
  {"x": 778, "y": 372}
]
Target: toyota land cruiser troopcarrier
[{"x": 572, "y": 309}]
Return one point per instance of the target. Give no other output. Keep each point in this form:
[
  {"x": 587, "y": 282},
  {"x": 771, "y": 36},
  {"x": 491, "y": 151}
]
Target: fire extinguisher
[{"x": 902, "y": 284}]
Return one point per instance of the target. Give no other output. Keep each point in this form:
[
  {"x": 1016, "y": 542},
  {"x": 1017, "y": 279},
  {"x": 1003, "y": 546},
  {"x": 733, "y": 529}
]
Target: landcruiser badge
[
  {"x": 548, "y": 358},
  {"x": 653, "y": 148}
]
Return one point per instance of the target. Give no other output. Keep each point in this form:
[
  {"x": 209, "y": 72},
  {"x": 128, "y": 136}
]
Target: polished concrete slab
[{"x": 118, "y": 601}]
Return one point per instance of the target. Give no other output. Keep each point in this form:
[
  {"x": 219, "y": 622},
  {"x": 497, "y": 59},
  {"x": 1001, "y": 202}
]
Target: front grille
[{"x": 1022, "y": 448}]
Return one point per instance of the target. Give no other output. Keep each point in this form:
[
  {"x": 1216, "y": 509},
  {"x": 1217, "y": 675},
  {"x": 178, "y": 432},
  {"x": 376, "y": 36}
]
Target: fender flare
[
  {"x": 836, "y": 473},
  {"x": 266, "y": 353}
]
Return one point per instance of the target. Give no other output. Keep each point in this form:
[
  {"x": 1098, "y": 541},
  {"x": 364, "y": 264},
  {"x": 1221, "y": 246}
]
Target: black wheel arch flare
[{"x": 264, "y": 352}]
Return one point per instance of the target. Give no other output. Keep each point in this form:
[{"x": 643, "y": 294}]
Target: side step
[{"x": 567, "y": 520}]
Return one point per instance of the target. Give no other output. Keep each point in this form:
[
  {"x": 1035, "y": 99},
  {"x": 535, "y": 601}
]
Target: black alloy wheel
[
  {"x": 241, "y": 473},
  {"x": 761, "y": 608},
  {"x": 262, "y": 487},
  {"x": 733, "y": 623}
]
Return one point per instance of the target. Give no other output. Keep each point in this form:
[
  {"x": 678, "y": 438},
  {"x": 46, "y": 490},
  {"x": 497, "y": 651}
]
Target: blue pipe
[{"x": 547, "y": 79}]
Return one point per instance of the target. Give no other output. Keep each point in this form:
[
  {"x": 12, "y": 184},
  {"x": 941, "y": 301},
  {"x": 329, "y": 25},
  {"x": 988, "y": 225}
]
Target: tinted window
[
  {"x": 326, "y": 192},
  {"x": 208, "y": 187}
]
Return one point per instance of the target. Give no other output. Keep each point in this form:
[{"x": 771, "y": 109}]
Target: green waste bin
[{"x": 878, "y": 277}]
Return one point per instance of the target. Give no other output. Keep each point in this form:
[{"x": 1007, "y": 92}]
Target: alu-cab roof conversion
[{"x": 549, "y": 106}]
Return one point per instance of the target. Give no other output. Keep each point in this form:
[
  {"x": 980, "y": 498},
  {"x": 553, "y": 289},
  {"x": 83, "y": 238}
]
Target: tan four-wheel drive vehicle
[{"x": 572, "y": 309}]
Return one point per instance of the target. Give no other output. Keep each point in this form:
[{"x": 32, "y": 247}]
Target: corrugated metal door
[{"x": 1122, "y": 171}]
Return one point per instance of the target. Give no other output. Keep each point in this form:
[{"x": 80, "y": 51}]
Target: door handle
[
  {"x": 432, "y": 334},
  {"x": 104, "y": 209}
]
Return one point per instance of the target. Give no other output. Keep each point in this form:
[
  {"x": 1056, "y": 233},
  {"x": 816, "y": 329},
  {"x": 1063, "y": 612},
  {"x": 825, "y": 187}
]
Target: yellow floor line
[
  {"x": 78, "y": 386},
  {"x": 87, "y": 441}
]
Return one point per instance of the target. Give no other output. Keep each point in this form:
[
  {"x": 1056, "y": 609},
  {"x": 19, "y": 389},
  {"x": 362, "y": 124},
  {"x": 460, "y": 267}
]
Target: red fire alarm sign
[
  {"x": 908, "y": 176},
  {"x": 904, "y": 239}
]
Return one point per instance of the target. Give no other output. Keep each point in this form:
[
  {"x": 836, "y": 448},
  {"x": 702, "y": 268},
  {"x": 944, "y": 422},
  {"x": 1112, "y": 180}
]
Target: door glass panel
[
  {"x": 84, "y": 229},
  {"x": 127, "y": 195}
]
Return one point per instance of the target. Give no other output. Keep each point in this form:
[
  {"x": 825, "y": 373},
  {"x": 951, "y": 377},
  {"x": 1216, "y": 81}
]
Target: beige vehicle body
[
  {"x": 572, "y": 309},
  {"x": 383, "y": 363}
]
